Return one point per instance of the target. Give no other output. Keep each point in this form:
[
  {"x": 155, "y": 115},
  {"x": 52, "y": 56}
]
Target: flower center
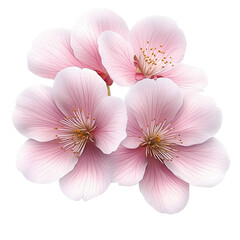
[
  {"x": 76, "y": 131},
  {"x": 160, "y": 142},
  {"x": 152, "y": 61}
]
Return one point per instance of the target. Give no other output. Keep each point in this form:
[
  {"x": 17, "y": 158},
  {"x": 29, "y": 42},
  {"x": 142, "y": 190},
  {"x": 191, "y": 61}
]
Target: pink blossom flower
[
  {"x": 58, "y": 49},
  {"x": 73, "y": 127},
  {"x": 169, "y": 144},
  {"x": 154, "y": 49}
]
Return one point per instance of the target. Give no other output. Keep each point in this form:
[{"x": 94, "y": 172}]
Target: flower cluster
[{"x": 161, "y": 137}]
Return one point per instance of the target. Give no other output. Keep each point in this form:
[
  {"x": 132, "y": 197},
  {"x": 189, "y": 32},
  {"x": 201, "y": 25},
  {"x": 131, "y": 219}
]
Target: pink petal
[
  {"x": 75, "y": 87},
  {"x": 151, "y": 32},
  {"x": 188, "y": 78},
  {"x": 133, "y": 132},
  {"x": 85, "y": 35},
  {"x": 36, "y": 114},
  {"x": 90, "y": 177},
  {"x": 44, "y": 162},
  {"x": 51, "y": 53},
  {"x": 118, "y": 58},
  {"x": 197, "y": 120},
  {"x": 128, "y": 165},
  {"x": 163, "y": 190},
  {"x": 154, "y": 99},
  {"x": 111, "y": 121},
  {"x": 202, "y": 165}
]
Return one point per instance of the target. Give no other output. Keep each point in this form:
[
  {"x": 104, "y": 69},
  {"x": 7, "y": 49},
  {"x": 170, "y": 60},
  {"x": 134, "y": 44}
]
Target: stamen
[
  {"x": 76, "y": 131},
  {"x": 152, "y": 61},
  {"x": 159, "y": 141}
]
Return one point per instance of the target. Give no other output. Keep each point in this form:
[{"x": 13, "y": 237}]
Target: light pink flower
[
  {"x": 169, "y": 144},
  {"x": 73, "y": 127},
  {"x": 154, "y": 49},
  {"x": 58, "y": 49}
]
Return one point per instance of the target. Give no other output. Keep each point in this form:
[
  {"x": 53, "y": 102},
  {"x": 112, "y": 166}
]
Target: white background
[{"x": 34, "y": 211}]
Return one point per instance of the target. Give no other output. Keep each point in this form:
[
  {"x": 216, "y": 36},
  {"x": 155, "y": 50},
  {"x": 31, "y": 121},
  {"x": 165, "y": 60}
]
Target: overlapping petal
[
  {"x": 44, "y": 162},
  {"x": 86, "y": 32},
  {"x": 133, "y": 132},
  {"x": 154, "y": 99},
  {"x": 162, "y": 189},
  {"x": 75, "y": 87},
  {"x": 52, "y": 52},
  {"x": 202, "y": 164},
  {"x": 188, "y": 78},
  {"x": 128, "y": 165},
  {"x": 198, "y": 119},
  {"x": 118, "y": 58},
  {"x": 111, "y": 121},
  {"x": 90, "y": 177},
  {"x": 155, "y": 31},
  {"x": 36, "y": 114}
]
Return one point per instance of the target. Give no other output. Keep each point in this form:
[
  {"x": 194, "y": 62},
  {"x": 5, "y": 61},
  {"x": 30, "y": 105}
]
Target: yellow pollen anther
[{"x": 158, "y": 138}]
